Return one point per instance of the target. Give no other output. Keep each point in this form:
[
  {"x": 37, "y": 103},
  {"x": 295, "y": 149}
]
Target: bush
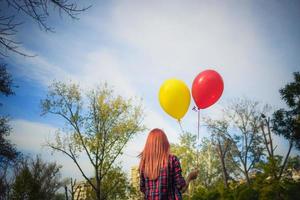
[
  {"x": 205, "y": 194},
  {"x": 291, "y": 190},
  {"x": 272, "y": 190},
  {"x": 247, "y": 193}
]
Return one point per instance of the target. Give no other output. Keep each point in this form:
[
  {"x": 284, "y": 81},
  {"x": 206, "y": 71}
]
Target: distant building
[
  {"x": 81, "y": 190},
  {"x": 135, "y": 182},
  {"x": 296, "y": 175},
  {"x": 135, "y": 177}
]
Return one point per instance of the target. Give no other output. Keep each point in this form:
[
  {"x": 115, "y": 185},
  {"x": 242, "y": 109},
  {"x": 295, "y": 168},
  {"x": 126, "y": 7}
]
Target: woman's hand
[{"x": 193, "y": 175}]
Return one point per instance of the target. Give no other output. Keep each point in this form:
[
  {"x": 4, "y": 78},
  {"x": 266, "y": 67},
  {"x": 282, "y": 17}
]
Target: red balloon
[{"x": 207, "y": 88}]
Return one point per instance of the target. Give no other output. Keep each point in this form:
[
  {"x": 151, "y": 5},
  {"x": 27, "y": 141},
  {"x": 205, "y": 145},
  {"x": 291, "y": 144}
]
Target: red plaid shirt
[{"x": 168, "y": 184}]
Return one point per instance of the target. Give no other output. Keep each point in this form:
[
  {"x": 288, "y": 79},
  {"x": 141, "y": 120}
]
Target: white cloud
[
  {"x": 180, "y": 39},
  {"x": 39, "y": 69},
  {"x": 104, "y": 66},
  {"x": 30, "y": 137}
]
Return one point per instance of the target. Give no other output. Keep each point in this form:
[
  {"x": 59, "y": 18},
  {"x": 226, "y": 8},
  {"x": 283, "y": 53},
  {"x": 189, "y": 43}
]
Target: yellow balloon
[{"x": 174, "y": 98}]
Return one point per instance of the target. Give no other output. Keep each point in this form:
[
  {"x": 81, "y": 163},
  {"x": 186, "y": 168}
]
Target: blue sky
[{"x": 136, "y": 45}]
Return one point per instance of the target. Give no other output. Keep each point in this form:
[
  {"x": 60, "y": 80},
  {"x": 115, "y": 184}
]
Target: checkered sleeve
[
  {"x": 142, "y": 182},
  {"x": 179, "y": 180}
]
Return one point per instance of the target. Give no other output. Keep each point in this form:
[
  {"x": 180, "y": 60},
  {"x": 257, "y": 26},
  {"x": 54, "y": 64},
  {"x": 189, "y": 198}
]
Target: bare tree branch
[{"x": 38, "y": 11}]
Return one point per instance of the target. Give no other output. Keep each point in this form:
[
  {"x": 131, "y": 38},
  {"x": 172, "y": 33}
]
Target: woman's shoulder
[
  {"x": 173, "y": 158},
  {"x": 174, "y": 162}
]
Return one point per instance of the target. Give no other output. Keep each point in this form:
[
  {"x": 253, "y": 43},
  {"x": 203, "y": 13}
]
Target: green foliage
[
  {"x": 134, "y": 193},
  {"x": 222, "y": 144},
  {"x": 277, "y": 189},
  {"x": 36, "y": 180},
  {"x": 202, "y": 193},
  {"x": 8, "y": 152},
  {"x": 24, "y": 186},
  {"x": 245, "y": 192},
  {"x": 287, "y": 122},
  {"x": 114, "y": 186},
  {"x": 205, "y": 159},
  {"x": 294, "y": 163},
  {"x": 291, "y": 92},
  {"x": 271, "y": 189},
  {"x": 270, "y": 168},
  {"x": 98, "y": 126},
  {"x": 244, "y": 118},
  {"x": 292, "y": 191},
  {"x": 6, "y": 81},
  {"x": 186, "y": 152},
  {"x": 59, "y": 196},
  {"x": 209, "y": 164},
  {"x": 238, "y": 140}
]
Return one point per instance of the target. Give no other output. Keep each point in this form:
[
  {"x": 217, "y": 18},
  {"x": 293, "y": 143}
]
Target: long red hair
[{"x": 155, "y": 154}]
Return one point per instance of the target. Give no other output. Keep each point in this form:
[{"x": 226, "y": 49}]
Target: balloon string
[
  {"x": 198, "y": 136},
  {"x": 198, "y": 125},
  {"x": 179, "y": 122}
]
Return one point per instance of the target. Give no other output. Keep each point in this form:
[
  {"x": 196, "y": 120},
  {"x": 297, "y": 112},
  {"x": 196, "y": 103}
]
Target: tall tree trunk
[
  {"x": 247, "y": 178},
  {"x": 285, "y": 161},
  {"x": 66, "y": 192},
  {"x": 98, "y": 195},
  {"x": 98, "y": 187},
  {"x": 224, "y": 172},
  {"x": 222, "y": 155},
  {"x": 270, "y": 137},
  {"x": 246, "y": 172}
]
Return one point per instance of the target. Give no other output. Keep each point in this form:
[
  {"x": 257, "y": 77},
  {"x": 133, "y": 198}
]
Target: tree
[
  {"x": 209, "y": 164},
  {"x": 8, "y": 152},
  {"x": 272, "y": 166},
  {"x": 6, "y": 81},
  {"x": 203, "y": 157},
  {"x": 186, "y": 152},
  {"x": 74, "y": 187},
  {"x": 265, "y": 126},
  {"x": 36, "y": 180},
  {"x": 8, "y": 157},
  {"x": 294, "y": 163},
  {"x": 286, "y": 123},
  {"x": 37, "y": 10},
  {"x": 244, "y": 117},
  {"x": 98, "y": 127},
  {"x": 114, "y": 186},
  {"x": 59, "y": 196},
  {"x": 222, "y": 143}
]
